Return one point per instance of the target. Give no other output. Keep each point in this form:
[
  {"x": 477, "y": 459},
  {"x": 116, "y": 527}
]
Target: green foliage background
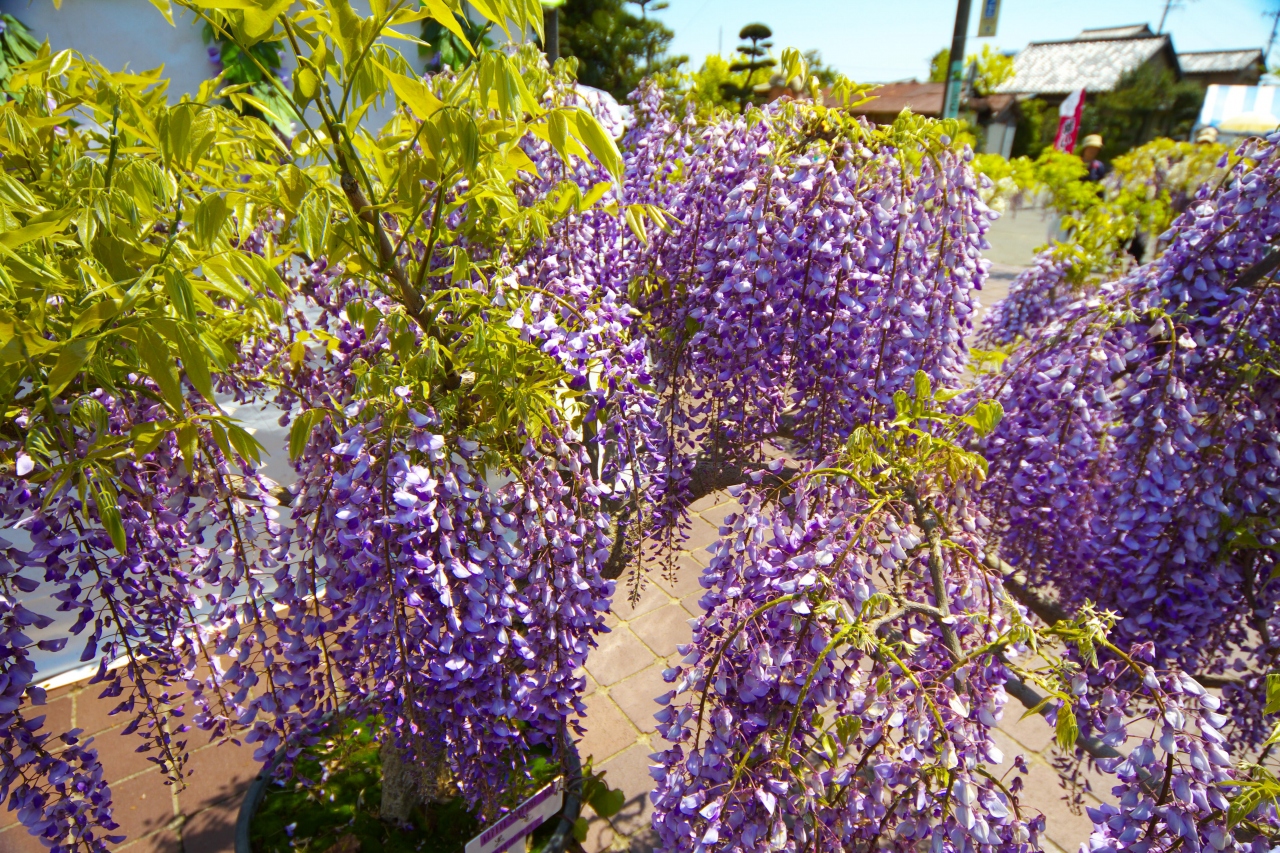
[{"x": 610, "y": 44}]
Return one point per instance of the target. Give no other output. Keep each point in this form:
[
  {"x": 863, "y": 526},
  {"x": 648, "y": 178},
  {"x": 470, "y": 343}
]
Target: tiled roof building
[
  {"x": 1238, "y": 67},
  {"x": 1095, "y": 61}
]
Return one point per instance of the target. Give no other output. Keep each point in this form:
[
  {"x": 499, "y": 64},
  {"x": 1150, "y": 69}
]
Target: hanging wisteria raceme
[
  {"x": 821, "y": 705},
  {"x": 136, "y": 601},
  {"x": 811, "y": 265},
  {"x": 1176, "y": 777},
  {"x": 54, "y": 781},
  {"x": 1139, "y": 465},
  {"x": 841, "y": 690},
  {"x": 474, "y": 587},
  {"x": 1039, "y": 292}
]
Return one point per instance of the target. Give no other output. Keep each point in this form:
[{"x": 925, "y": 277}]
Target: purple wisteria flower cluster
[
  {"x": 1038, "y": 293},
  {"x": 436, "y": 560},
  {"x": 1138, "y": 464},
  {"x": 829, "y": 699},
  {"x": 856, "y": 653},
  {"x": 1146, "y": 189},
  {"x": 810, "y": 265},
  {"x": 478, "y": 452}
]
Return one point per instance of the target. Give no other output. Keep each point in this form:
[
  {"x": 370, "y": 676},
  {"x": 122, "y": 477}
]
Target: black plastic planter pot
[{"x": 558, "y": 843}]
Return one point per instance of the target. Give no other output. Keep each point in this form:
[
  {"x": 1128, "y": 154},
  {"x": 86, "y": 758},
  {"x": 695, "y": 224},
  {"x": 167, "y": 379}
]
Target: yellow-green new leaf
[
  {"x": 446, "y": 15},
  {"x": 1067, "y": 729},
  {"x": 344, "y": 27},
  {"x": 211, "y": 214},
  {"x": 159, "y": 363},
  {"x": 165, "y": 9},
  {"x": 594, "y": 195},
  {"x": 599, "y": 143},
  {"x": 108, "y": 505},
  {"x": 197, "y": 365},
  {"x": 413, "y": 93},
  {"x": 258, "y": 20},
  {"x": 39, "y": 226},
  {"x": 300, "y": 433},
  {"x": 493, "y": 12},
  {"x": 180, "y": 294},
  {"x": 94, "y": 316},
  {"x": 69, "y": 364}
]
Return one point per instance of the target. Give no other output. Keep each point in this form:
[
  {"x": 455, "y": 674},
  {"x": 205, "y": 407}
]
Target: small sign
[
  {"x": 506, "y": 832},
  {"x": 1069, "y": 113},
  {"x": 990, "y": 15}
]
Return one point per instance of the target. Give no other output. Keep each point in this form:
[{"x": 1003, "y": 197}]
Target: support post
[
  {"x": 955, "y": 71},
  {"x": 551, "y": 34}
]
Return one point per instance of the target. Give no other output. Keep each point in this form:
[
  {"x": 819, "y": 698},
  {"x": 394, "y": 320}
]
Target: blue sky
[{"x": 879, "y": 40}]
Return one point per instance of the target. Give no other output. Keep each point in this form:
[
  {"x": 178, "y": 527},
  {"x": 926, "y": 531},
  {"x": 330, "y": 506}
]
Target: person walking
[{"x": 1090, "y": 148}]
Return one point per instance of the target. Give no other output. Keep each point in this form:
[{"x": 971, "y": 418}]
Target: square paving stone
[
  {"x": 222, "y": 771},
  {"x": 701, "y": 534},
  {"x": 716, "y": 515},
  {"x": 663, "y": 629},
  {"x": 599, "y": 833},
  {"x": 652, "y": 597},
  {"x": 700, "y": 554},
  {"x": 706, "y": 502},
  {"x": 93, "y": 714},
  {"x": 693, "y": 604},
  {"x": 1044, "y": 793},
  {"x": 1034, "y": 733},
  {"x": 143, "y": 804},
  {"x": 636, "y": 695},
  {"x": 57, "y": 718},
  {"x": 630, "y": 772},
  {"x": 686, "y": 581},
  {"x": 212, "y": 830},
  {"x": 17, "y": 840},
  {"x": 608, "y": 730},
  {"x": 619, "y": 654},
  {"x": 164, "y": 841},
  {"x": 119, "y": 755}
]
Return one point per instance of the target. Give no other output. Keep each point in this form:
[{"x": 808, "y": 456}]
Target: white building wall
[
  {"x": 122, "y": 34},
  {"x": 133, "y": 34}
]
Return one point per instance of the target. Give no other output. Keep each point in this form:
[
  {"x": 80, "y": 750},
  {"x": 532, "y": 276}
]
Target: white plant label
[{"x": 507, "y": 832}]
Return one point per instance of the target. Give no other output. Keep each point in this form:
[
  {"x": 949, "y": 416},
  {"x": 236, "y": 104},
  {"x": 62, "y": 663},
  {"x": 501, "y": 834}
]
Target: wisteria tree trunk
[{"x": 407, "y": 784}]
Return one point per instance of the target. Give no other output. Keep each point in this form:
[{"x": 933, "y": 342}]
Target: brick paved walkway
[{"x": 200, "y": 818}]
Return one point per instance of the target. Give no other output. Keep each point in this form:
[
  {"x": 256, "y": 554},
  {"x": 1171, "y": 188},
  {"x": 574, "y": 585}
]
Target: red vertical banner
[{"x": 1069, "y": 121}]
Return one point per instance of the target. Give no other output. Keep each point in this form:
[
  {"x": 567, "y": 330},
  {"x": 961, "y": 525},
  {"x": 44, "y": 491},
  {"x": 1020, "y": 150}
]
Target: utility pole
[
  {"x": 551, "y": 26},
  {"x": 955, "y": 74},
  {"x": 1169, "y": 6},
  {"x": 551, "y": 29}
]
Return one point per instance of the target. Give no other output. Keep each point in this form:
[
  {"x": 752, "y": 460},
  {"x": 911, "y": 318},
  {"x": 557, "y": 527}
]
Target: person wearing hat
[
  {"x": 1207, "y": 135},
  {"x": 1090, "y": 148}
]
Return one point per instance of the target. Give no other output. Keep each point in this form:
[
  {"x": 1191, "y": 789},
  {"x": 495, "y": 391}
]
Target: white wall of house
[
  {"x": 1000, "y": 138},
  {"x": 121, "y": 34},
  {"x": 133, "y": 34}
]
